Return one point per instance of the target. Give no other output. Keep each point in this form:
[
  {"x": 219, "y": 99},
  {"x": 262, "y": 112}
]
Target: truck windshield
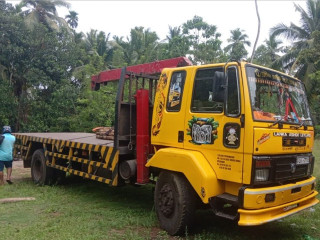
[{"x": 276, "y": 97}]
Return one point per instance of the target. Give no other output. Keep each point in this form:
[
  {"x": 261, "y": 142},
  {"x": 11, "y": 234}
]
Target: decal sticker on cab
[
  {"x": 160, "y": 103},
  {"x": 202, "y": 130},
  {"x": 265, "y": 137}
]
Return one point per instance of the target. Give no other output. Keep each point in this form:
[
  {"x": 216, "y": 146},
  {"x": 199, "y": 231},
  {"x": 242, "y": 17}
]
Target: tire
[
  {"x": 41, "y": 174},
  {"x": 175, "y": 203}
]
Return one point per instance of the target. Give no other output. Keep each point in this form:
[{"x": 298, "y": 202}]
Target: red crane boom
[{"x": 151, "y": 68}]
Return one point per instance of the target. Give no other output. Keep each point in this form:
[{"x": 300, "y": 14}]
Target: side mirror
[{"x": 218, "y": 87}]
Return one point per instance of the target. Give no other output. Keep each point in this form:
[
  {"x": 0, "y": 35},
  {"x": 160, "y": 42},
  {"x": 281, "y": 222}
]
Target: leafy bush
[{"x": 317, "y": 131}]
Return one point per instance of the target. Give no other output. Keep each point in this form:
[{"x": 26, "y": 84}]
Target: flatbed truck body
[{"x": 62, "y": 150}]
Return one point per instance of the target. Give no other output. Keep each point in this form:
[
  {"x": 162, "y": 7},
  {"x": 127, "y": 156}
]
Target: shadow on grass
[
  {"x": 127, "y": 196},
  {"x": 207, "y": 226}
]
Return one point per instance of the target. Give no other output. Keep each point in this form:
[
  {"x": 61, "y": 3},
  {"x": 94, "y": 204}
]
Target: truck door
[
  {"x": 214, "y": 119},
  {"x": 169, "y": 112}
]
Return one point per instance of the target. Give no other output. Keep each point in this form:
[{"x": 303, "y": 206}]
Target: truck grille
[{"x": 286, "y": 168}]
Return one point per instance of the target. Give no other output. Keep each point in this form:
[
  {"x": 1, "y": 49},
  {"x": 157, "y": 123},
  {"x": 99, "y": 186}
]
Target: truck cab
[{"x": 238, "y": 136}]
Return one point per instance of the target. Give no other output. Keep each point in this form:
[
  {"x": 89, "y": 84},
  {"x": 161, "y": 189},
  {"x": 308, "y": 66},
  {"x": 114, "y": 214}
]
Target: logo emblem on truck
[{"x": 293, "y": 167}]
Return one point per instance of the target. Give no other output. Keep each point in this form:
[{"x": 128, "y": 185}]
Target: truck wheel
[
  {"x": 175, "y": 202},
  {"x": 41, "y": 174}
]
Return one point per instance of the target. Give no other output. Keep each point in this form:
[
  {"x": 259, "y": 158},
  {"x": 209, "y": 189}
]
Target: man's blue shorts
[{"x": 7, "y": 164}]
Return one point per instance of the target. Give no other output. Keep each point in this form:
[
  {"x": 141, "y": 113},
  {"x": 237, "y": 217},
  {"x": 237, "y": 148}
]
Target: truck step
[
  {"x": 231, "y": 217},
  {"x": 228, "y": 198},
  {"x": 225, "y": 205}
]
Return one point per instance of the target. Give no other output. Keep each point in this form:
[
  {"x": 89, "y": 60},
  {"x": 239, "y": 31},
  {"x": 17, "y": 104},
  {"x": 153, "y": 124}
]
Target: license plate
[
  {"x": 290, "y": 207},
  {"x": 301, "y": 160}
]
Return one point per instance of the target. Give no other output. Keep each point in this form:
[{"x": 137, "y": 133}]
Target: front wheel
[{"x": 175, "y": 202}]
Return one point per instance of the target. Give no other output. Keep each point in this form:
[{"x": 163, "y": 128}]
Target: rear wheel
[
  {"x": 175, "y": 202},
  {"x": 41, "y": 174}
]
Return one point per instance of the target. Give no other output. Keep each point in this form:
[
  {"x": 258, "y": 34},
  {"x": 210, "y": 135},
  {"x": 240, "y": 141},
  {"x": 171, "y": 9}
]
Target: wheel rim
[{"x": 166, "y": 200}]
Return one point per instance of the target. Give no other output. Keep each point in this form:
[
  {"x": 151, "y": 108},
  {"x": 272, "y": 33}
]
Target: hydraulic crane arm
[{"x": 152, "y": 68}]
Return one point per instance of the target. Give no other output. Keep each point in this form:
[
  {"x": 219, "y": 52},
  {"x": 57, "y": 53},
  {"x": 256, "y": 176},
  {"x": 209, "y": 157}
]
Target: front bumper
[{"x": 288, "y": 199}]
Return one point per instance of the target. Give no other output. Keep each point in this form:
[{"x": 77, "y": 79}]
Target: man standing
[{"x": 6, "y": 154}]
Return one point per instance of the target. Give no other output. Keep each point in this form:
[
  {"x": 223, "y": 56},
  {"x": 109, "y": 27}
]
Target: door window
[
  {"x": 176, "y": 91},
  {"x": 207, "y": 98},
  {"x": 233, "y": 101}
]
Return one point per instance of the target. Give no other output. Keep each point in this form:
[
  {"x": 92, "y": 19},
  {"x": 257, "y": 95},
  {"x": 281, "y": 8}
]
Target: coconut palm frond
[
  {"x": 304, "y": 75},
  {"x": 32, "y": 19},
  {"x": 44, "y": 12},
  {"x": 288, "y": 59},
  {"x": 306, "y": 18},
  {"x": 284, "y": 31},
  {"x": 301, "y": 33},
  {"x": 61, "y": 3},
  {"x": 295, "y": 60},
  {"x": 72, "y": 19}
]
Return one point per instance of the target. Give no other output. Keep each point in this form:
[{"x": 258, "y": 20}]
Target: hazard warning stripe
[
  {"x": 23, "y": 147},
  {"x": 114, "y": 181},
  {"x": 76, "y": 159},
  {"x": 109, "y": 155},
  {"x": 18, "y": 151},
  {"x": 82, "y": 174},
  {"x": 29, "y": 149}
]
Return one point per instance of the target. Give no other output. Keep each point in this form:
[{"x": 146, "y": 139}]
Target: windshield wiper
[
  {"x": 279, "y": 122},
  {"x": 300, "y": 125}
]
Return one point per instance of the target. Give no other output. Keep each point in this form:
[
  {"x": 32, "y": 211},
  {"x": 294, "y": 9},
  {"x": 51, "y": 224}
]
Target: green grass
[
  {"x": 316, "y": 153},
  {"x": 90, "y": 210},
  {"x": 85, "y": 210}
]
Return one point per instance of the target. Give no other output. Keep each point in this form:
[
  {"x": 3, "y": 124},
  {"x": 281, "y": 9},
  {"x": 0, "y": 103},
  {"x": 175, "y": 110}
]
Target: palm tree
[
  {"x": 238, "y": 41},
  {"x": 301, "y": 37},
  {"x": 103, "y": 43},
  {"x": 44, "y": 12},
  {"x": 124, "y": 51},
  {"x": 72, "y": 19},
  {"x": 273, "y": 47},
  {"x": 140, "y": 47},
  {"x": 177, "y": 44},
  {"x": 174, "y": 32},
  {"x": 97, "y": 43},
  {"x": 91, "y": 42},
  {"x": 268, "y": 53}
]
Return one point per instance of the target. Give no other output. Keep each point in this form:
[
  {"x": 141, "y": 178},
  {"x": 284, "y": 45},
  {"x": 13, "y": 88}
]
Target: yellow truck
[{"x": 233, "y": 136}]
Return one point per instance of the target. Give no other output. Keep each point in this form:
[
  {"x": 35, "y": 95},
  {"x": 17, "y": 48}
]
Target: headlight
[
  {"x": 262, "y": 175},
  {"x": 262, "y": 169}
]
